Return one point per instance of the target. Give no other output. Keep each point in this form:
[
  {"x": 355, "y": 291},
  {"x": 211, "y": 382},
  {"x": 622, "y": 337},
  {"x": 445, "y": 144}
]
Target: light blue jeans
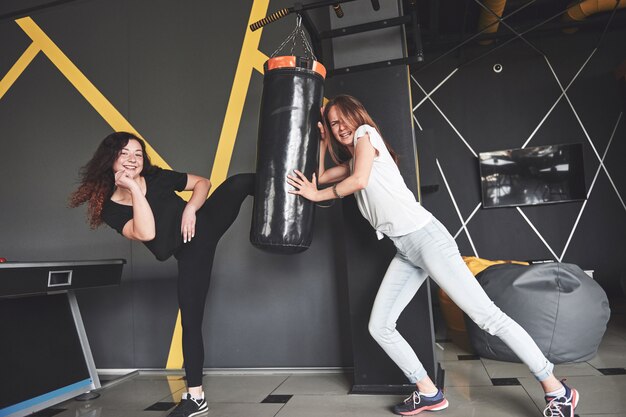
[{"x": 431, "y": 251}]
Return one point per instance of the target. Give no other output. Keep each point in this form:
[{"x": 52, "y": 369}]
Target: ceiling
[{"x": 445, "y": 23}]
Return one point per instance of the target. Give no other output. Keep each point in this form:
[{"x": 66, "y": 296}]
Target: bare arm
[
  {"x": 363, "y": 161},
  {"x": 334, "y": 174},
  {"x": 141, "y": 227},
  {"x": 200, "y": 187}
]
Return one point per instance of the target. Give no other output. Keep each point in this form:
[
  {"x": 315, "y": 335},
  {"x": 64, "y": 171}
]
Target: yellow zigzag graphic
[
  {"x": 97, "y": 100},
  {"x": 250, "y": 59}
]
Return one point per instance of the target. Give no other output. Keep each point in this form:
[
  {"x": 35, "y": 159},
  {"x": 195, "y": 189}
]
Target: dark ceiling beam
[{"x": 365, "y": 27}]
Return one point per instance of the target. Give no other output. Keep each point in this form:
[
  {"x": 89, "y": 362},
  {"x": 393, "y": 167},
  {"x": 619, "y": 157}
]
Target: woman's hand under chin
[{"x": 124, "y": 180}]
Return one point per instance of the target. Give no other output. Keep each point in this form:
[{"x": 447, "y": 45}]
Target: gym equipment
[
  {"x": 293, "y": 90},
  {"x": 44, "y": 336},
  {"x": 302, "y": 8}
]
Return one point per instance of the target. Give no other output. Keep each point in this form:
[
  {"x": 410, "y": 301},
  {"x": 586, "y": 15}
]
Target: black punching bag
[{"x": 293, "y": 90}]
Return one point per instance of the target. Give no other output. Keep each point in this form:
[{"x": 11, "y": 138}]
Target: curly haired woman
[{"x": 124, "y": 190}]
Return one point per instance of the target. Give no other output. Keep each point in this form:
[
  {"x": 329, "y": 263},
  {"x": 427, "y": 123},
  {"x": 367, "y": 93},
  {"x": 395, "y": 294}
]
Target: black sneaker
[
  {"x": 189, "y": 407},
  {"x": 417, "y": 403},
  {"x": 562, "y": 406}
]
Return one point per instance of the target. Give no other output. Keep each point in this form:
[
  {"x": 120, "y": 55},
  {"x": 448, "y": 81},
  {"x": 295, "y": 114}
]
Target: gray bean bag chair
[{"x": 559, "y": 305}]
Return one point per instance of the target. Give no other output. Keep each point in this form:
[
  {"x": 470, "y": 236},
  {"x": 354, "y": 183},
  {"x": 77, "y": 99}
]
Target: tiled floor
[{"x": 470, "y": 387}]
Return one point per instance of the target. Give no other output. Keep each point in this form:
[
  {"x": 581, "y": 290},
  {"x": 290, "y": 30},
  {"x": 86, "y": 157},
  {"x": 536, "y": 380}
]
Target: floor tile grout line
[
  {"x": 279, "y": 385},
  {"x": 485, "y": 368},
  {"x": 530, "y": 396},
  {"x": 280, "y": 409}
]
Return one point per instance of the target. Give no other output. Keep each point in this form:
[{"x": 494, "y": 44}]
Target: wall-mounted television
[{"x": 531, "y": 176}]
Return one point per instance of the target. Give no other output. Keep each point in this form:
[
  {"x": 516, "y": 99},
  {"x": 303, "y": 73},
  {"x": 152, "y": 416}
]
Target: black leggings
[{"x": 195, "y": 260}]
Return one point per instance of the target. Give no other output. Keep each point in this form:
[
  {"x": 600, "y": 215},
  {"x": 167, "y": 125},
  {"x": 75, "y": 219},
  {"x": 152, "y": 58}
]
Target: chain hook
[{"x": 298, "y": 31}]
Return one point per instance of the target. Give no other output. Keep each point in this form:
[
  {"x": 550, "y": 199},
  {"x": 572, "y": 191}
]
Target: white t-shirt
[{"x": 386, "y": 202}]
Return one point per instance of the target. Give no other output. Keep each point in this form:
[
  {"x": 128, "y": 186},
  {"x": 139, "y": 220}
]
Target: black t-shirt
[{"x": 167, "y": 208}]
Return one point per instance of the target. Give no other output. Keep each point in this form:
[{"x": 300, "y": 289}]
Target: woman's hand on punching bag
[{"x": 303, "y": 187}]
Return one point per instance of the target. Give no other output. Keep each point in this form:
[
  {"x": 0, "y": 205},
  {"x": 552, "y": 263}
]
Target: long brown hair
[
  {"x": 354, "y": 112},
  {"x": 97, "y": 179}
]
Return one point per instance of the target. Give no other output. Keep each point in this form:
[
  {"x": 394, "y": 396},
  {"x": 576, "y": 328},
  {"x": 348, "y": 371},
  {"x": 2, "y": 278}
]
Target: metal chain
[
  {"x": 295, "y": 33},
  {"x": 298, "y": 31},
  {"x": 305, "y": 42}
]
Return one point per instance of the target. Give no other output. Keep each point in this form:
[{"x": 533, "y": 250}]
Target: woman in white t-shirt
[{"x": 366, "y": 166}]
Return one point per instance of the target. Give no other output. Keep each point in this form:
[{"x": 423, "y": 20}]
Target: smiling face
[
  {"x": 130, "y": 159},
  {"x": 341, "y": 127}
]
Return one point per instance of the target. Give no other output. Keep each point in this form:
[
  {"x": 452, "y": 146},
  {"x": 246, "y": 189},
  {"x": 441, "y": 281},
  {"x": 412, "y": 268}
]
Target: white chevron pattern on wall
[{"x": 430, "y": 97}]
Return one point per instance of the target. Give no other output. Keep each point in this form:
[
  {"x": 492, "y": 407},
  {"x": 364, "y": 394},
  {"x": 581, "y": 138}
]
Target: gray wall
[{"x": 168, "y": 68}]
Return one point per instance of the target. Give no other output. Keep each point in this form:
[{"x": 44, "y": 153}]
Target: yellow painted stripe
[
  {"x": 175, "y": 385},
  {"x": 175, "y": 357},
  {"x": 104, "y": 107},
  {"x": 259, "y": 61},
  {"x": 248, "y": 60},
  {"x": 97, "y": 100},
  {"x": 416, "y": 156},
  {"x": 16, "y": 70}
]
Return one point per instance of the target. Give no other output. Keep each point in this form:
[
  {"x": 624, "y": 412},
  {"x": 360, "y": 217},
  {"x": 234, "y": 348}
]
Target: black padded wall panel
[{"x": 384, "y": 94}]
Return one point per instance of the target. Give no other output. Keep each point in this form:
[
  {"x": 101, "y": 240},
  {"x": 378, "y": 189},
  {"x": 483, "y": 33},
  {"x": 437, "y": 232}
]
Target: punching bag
[{"x": 293, "y": 90}]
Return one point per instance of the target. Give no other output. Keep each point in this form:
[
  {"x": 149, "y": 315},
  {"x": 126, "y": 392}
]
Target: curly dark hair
[{"x": 97, "y": 181}]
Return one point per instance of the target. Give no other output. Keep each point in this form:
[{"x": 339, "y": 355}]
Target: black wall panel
[
  {"x": 520, "y": 106},
  {"x": 368, "y": 258}
]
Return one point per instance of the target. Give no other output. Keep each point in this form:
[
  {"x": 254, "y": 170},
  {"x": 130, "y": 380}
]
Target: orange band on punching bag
[{"x": 295, "y": 62}]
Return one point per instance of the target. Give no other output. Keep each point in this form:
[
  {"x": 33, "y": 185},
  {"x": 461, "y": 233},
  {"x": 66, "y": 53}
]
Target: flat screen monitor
[{"x": 531, "y": 176}]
